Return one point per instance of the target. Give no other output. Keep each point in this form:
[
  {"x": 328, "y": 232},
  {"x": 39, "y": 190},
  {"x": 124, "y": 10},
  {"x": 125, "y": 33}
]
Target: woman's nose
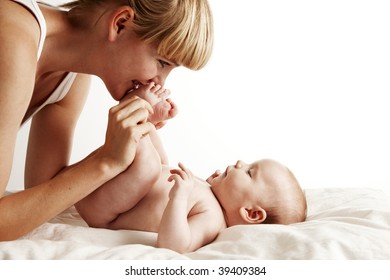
[{"x": 160, "y": 78}]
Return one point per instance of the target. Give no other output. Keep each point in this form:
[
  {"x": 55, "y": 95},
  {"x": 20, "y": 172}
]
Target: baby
[{"x": 188, "y": 212}]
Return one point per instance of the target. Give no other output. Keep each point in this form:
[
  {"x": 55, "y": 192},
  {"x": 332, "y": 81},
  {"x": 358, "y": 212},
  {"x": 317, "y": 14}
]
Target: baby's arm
[{"x": 179, "y": 231}]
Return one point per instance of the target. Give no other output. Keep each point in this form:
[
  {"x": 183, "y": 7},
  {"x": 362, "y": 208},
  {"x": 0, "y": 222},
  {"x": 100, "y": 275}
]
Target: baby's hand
[{"x": 183, "y": 183}]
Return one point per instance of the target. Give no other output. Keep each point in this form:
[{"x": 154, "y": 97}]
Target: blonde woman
[{"x": 47, "y": 55}]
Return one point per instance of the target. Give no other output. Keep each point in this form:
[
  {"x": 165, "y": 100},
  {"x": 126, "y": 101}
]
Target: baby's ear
[{"x": 253, "y": 215}]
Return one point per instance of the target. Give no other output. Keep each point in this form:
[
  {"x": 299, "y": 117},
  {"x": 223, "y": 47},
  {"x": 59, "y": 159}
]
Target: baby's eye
[
  {"x": 163, "y": 63},
  {"x": 249, "y": 172}
]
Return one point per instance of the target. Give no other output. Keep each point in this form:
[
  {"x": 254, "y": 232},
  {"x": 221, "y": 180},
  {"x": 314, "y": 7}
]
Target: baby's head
[{"x": 264, "y": 191}]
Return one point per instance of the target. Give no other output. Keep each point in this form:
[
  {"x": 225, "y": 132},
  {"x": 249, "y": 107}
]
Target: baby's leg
[{"x": 123, "y": 192}]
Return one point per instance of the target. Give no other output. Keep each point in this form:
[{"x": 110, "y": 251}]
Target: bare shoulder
[
  {"x": 19, "y": 37},
  {"x": 18, "y": 24},
  {"x": 205, "y": 219},
  {"x": 207, "y": 204}
]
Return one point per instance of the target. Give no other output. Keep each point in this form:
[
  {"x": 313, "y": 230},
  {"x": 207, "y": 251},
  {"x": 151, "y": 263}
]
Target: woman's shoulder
[
  {"x": 18, "y": 26},
  {"x": 19, "y": 37}
]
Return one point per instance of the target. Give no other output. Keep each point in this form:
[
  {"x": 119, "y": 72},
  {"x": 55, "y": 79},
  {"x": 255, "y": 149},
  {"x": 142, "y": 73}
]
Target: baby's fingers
[
  {"x": 174, "y": 177},
  {"x": 178, "y": 173},
  {"x": 186, "y": 170},
  {"x": 130, "y": 104},
  {"x": 212, "y": 176}
]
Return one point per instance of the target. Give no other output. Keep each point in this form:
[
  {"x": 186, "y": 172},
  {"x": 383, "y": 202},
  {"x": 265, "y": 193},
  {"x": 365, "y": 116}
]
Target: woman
[{"x": 126, "y": 43}]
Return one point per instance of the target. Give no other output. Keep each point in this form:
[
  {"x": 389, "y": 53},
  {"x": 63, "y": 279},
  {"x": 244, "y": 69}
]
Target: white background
[{"x": 303, "y": 82}]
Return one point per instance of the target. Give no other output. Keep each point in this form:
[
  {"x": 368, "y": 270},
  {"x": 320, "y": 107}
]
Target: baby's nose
[{"x": 239, "y": 164}]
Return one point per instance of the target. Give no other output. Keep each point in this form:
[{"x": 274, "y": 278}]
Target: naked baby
[{"x": 186, "y": 211}]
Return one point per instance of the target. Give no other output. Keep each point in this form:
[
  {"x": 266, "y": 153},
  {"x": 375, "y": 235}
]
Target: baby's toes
[{"x": 164, "y": 93}]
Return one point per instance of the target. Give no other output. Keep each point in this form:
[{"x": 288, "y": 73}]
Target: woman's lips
[{"x": 136, "y": 84}]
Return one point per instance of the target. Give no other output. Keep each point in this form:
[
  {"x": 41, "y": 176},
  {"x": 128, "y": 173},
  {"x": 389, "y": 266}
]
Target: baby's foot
[
  {"x": 156, "y": 95},
  {"x": 152, "y": 93},
  {"x": 163, "y": 111}
]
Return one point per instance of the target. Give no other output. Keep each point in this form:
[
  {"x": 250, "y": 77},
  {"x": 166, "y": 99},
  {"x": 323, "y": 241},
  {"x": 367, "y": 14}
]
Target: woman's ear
[
  {"x": 120, "y": 21},
  {"x": 254, "y": 215}
]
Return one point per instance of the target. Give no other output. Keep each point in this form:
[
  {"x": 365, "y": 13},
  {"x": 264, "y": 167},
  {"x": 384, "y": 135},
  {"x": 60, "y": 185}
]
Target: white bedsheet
[{"x": 341, "y": 224}]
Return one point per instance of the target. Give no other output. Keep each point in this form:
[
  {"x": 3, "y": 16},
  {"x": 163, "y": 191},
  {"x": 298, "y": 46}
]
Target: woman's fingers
[
  {"x": 140, "y": 130},
  {"x": 127, "y": 124},
  {"x": 129, "y": 105}
]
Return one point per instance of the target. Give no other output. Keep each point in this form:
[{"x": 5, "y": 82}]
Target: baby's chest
[{"x": 149, "y": 211}]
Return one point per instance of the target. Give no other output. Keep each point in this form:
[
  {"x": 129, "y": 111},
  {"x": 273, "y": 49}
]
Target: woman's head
[{"x": 182, "y": 30}]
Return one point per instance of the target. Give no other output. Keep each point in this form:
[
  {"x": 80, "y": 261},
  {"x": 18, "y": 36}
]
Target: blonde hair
[{"x": 182, "y": 29}]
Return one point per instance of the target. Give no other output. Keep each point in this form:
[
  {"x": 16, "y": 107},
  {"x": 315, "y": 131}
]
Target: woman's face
[{"x": 132, "y": 63}]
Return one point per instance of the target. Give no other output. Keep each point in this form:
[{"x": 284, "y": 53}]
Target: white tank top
[{"x": 60, "y": 92}]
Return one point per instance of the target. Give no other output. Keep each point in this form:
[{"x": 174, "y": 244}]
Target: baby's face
[{"x": 243, "y": 184}]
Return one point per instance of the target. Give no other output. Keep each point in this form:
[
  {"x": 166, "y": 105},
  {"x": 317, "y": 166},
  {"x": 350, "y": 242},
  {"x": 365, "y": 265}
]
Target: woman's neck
[{"x": 65, "y": 47}]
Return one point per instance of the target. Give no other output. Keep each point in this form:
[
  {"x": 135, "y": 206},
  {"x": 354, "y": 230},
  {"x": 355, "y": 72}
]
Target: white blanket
[{"x": 341, "y": 224}]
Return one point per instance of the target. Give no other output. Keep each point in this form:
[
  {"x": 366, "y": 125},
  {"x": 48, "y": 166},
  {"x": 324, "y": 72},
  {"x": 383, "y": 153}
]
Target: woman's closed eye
[{"x": 163, "y": 63}]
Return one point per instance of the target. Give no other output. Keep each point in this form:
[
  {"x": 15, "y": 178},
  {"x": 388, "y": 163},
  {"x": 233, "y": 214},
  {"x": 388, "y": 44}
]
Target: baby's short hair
[{"x": 288, "y": 209}]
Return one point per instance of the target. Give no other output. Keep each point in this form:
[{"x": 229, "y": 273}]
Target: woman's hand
[{"x": 127, "y": 124}]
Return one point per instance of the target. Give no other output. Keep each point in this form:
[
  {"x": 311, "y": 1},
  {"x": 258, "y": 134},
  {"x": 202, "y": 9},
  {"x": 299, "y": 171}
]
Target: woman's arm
[
  {"x": 51, "y": 134},
  {"x": 22, "y": 212},
  {"x": 26, "y": 210},
  {"x": 18, "y": 61}
]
